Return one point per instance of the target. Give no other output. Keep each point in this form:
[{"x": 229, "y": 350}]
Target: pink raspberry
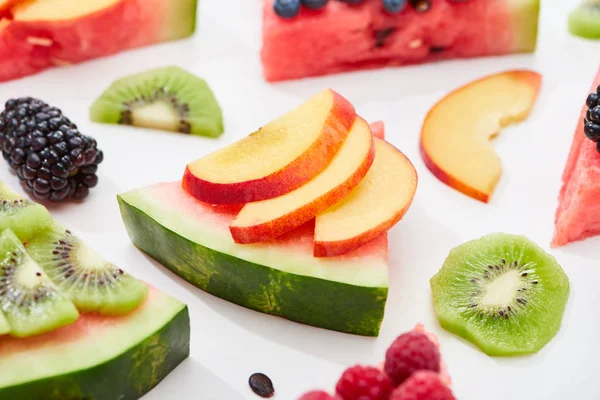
[
  {"x": 317, "y": 395},
  {"x": 423, "y": 385},
  {"x": 410, "y": 352},
  {"x": 364, "y": 383}
]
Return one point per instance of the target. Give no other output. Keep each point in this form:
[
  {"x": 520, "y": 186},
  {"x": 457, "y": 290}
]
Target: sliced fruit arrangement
[
  {"x": 58, "y": 296},
  {"x": 23, "y": 217},
  {"x": 338, "y": 36},
  {"x": 413, "y": 370},
  {"x": 378, "y": 203},
  {"x": 280, "y": 277},
  {"x": 264, "y": 220},
  {"x": 279, "y": 273},
  {"x": 51, "y": 157},
  {"x": 455, "y": 137},
  {"x": 278, "y": 158},
  {"x": 501, "y": 292},
  {"x": 167, "y": 98},
  {"x": 577, "y": 212},
  {"x": 584, "y": 20},
  {"x": 50, "y": 33}
]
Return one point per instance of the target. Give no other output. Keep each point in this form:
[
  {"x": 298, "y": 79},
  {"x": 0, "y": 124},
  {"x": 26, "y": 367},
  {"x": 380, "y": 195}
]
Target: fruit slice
[
  {"x": 31, "y": 303},
  {"x": 108, "y": 357},
  {"x": 278, "y": 158},
  {"x": 455, "y": 138},
  {"x": 24, "y": 217},
  {"x": 82, "y": 275},
  {"x": 501, "y": 292},
  {"x": 342, "y": 37},
  {"x": 578, "y": 212},
  {"x": 282, "y": 277},
  {"x": 584, "y": 21},
  {"x": 268, "y": 219},
  {"x": 62, "y": 32},
  {"x": 168, "y": 98},
  {"x": 373, "y": 207}
]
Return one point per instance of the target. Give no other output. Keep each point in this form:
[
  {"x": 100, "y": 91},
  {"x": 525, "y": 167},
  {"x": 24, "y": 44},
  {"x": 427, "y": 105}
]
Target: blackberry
[
  {"x": 50, "y": 156},
  {"x": 591, "y": 122}
]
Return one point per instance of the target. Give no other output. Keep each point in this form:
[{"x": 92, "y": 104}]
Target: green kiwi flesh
[
  {"x": 87, "y": 279},
  {"x": 501, "y": 292},
  {"x": 584, "y": 21},
  {"x": 30, "y": 301},
  {"x": 4, "y": 326},
  {"x": 22, "y": 216},
  {"x": 168, "y": 98}
]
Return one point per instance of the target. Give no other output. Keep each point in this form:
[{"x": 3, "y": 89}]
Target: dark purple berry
[
  {"x": 41, "y": 186},
  {"x": 592, "y": 131}
]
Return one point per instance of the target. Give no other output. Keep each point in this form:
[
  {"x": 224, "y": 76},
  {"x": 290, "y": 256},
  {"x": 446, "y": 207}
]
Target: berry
[
  {"x": 51, "y": 157},
  {"x": 595, "y": 114},
  {"x": 411, "y": 352},
  {"x": 364, "y": 383},
  {"x": 394, "y": 6},
  {"x": 592, "y": 100},
  {"x": 314, "y": 4},
  {"x": 592, "y": 131},
  {"x": 287, "y": 8},
  {"x": 423, "y": 385},
  {"x": 317, "y": 395}
]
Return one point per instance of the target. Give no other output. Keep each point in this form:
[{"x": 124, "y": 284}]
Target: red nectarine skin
[{"x": 295, "y": 174}]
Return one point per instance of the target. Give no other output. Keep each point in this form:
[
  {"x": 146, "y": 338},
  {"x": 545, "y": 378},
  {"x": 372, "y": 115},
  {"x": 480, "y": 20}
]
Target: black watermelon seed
[{"x": 261, "y": 385}]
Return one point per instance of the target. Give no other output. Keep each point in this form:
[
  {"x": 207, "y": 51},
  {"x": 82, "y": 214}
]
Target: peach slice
[
  {"x": 265, "y": 220},
  {"x": 278, "y": 158},
  {"x": 456, "y": 134},
  {"x": 377, "y": 204}
]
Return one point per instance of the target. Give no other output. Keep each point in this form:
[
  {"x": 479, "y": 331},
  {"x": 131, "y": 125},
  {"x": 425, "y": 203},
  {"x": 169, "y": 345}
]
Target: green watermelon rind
[
  {"x": 308, "y": 300},
  {"x": 525, "y": 19},
  {"x": 127, "y": 376}
]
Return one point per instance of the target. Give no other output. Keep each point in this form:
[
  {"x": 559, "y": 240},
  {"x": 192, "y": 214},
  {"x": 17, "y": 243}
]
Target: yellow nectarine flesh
[
  {"x": 278, "y": 158},
  {"x": 55, "y": 10},
  {"x": 264, "y": 220},
  {"x": 373, "y": 207},
  {"x": 456, "y": 134}
]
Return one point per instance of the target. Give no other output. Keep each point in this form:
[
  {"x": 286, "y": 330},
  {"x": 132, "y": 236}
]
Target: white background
[{"x": 233, "y": 342}]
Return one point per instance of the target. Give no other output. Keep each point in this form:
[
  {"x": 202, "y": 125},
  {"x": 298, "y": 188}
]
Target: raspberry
[
  {"x": 412, "y": 351},
  {"x": 317, "y": 395},
  {"x": 423, "y": 385},
  {"x": 364, "y": 383}
]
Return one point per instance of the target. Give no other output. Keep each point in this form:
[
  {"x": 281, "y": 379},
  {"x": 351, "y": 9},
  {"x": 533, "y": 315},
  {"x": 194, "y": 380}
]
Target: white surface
[{"x": 233, "y": 342}]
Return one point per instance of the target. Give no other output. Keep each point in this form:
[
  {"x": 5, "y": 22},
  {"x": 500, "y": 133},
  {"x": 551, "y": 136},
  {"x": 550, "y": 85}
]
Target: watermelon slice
[
  {"x": 578, "y": 213},
  {"x": 47, "y": 33},
  {"x": 192, "y": 239},
  {"x": 98, "y": 357},
  {"x": 343, "y": 37}
]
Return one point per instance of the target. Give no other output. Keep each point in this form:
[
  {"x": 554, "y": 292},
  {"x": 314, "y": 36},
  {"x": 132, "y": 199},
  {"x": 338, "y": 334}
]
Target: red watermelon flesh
[
  {"x": 578, "y": 213},
  {"x": 341, "y": 37},
  {"x": 48, "y": 33}
]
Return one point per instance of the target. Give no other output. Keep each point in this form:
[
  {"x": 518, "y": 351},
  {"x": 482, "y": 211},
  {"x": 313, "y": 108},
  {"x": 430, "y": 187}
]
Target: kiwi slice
[
  {"x": 168, "y": 98},
  {"x": 503, "y": 293},
  {"x": 91, "y": 282},
  {"x": 24, "y": 217},
  {"x": 584, "y": 21},
  {"x": 30, "y": 301}
]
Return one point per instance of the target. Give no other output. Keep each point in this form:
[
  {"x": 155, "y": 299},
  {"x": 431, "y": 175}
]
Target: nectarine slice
[
  {"x": 373, "y": 207},
  {"x": 52, "y": 10},
  {"x": 278, "y": 158},
  {"x": 456, "y": 134},
  {"x": 264, "y": 220}
]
